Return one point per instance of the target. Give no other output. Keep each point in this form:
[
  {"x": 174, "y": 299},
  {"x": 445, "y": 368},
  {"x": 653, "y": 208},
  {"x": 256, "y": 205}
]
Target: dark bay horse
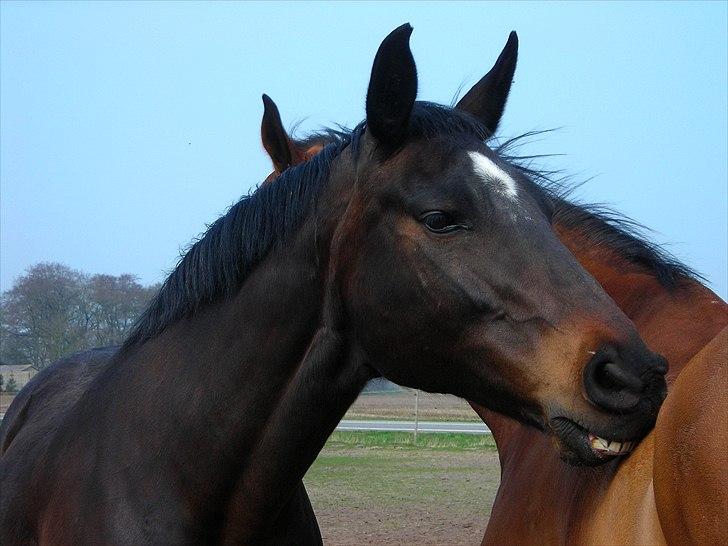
[
  {"x": 405, "y": 249},
  {"x": 674, "y": 487}
]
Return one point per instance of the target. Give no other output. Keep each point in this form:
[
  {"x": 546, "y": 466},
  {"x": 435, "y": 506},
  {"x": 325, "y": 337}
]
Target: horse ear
[
  {"x": 277, "y": 143},
  {"x": 392, "y": 89},
  {"x": 487, "y": 99}
]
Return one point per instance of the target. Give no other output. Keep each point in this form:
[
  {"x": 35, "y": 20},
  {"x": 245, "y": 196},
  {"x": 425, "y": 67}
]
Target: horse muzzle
[{"x": 626, "y": 407}]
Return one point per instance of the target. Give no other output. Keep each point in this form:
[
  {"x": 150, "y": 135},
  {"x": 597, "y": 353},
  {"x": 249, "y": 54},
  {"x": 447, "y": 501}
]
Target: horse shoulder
[{"x": 691, "y": 455}]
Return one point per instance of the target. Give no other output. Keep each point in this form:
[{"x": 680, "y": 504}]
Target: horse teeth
[
  {"x": 600, "y": 444},
  {"x": 615, "y": 447}
]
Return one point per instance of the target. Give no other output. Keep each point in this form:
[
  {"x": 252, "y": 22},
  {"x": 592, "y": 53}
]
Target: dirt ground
[
  {"x": 403, "y": 496},
  {"x": 401, "y": 405}
]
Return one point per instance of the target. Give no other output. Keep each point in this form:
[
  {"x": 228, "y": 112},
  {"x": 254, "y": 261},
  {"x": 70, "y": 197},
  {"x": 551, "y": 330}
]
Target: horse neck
[
  {"x": 256, "y": 385},
  {"x": 675, "y": 322}
]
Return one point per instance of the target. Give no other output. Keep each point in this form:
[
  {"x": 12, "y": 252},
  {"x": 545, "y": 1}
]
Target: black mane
[
  {"x": 598, "y": 224},
  {"x": 216, "y": 266}
]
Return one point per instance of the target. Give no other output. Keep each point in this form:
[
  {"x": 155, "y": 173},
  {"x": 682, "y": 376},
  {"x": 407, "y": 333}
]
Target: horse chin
[{"x": 579, "y": 447}]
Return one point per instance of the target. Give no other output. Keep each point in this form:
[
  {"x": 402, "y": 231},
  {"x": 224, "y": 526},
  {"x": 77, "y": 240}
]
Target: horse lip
[{"x": 578, "y": 443}]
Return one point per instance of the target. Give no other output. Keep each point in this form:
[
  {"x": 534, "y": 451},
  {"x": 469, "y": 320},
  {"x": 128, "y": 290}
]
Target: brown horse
[
  {"x": 406, "y": 249},
  {"x": 674, "y": 487}
]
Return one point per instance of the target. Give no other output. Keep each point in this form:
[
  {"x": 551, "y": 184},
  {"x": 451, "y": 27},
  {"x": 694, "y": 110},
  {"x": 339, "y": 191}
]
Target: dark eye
[{"x": 440, "y": 222}]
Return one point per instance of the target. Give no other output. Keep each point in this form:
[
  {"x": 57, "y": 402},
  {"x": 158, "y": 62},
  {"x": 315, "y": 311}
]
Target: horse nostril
[
  {"x": 610, "y": 384},
  {"x": 615, "y": 377}
]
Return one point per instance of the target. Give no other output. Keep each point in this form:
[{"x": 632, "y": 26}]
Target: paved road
[{"x": 409, "y": 426}]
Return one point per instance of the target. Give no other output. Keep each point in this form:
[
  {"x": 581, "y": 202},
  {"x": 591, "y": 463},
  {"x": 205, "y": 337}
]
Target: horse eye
[{"x": 439, "y": 222}]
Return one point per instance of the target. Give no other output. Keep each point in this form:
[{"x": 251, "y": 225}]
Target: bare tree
[
  {"x": 115, "y": 303},
  {"x": 53, "y": 310},
  {"x": 42, "y": 313}
]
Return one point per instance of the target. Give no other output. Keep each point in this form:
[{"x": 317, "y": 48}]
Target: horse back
[{"x": 29, "y": 429}]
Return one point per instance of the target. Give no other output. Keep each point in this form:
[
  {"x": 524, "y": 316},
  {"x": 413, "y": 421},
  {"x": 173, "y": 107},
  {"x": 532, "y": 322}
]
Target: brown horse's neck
[{"x": 675, "y": 322}]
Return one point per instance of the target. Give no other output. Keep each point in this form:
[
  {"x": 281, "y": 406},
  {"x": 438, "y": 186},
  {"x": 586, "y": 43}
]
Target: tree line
[{"x": 53, "y": 310}]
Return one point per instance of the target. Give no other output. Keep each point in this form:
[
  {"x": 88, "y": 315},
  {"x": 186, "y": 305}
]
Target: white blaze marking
[{"x": 490, "y": 172}]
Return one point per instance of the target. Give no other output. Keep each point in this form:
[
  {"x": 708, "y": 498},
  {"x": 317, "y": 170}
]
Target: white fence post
[{"x": 417, "y": 410}]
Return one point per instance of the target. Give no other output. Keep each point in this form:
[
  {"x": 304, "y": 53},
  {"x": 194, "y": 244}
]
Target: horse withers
[{"x": 405, "y": 249}]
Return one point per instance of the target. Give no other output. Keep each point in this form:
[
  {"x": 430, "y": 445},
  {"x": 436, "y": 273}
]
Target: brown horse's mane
[
  {"x": 598, "y": 225},
  {"x": 601, "y": 226}
]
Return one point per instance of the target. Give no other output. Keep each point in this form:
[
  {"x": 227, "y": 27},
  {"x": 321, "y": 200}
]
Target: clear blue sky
[{"x": 125, "y": 128}]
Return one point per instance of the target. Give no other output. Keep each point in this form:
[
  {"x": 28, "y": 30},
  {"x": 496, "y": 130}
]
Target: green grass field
[
  {"x": 379, "y": 488},
  {"x": 447, "y": 441}
]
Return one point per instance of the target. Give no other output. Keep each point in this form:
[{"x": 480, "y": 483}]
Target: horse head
[{"x": 452, "y": 280}]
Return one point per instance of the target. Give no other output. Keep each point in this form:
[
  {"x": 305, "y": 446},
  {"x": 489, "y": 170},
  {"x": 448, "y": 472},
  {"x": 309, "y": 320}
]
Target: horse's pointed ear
[
  {"x": 277, "y": 143},
  {"x": 487, "y": 99},
  {"x": 392, "y": 89}
]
